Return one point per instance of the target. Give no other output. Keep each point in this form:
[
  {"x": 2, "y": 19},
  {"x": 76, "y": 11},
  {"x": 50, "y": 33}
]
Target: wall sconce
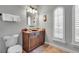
[{"x": 45, "y": 18}]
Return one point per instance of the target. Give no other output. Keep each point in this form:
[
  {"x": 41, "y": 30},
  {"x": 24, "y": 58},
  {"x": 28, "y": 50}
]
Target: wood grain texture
[
  {"x": 46, "y": 48},
  {"x": 31, "y": 40}
]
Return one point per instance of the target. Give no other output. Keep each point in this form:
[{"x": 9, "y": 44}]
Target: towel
[
  {"x": 6, "y": 17},
  {"x": 15, "y": 49}
]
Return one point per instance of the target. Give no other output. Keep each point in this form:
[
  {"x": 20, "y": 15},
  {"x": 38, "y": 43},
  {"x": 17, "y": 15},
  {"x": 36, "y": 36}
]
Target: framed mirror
[{"x": 32, "y": 16}]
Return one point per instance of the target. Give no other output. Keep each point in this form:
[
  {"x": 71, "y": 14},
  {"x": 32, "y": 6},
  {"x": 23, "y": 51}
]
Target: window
[
  {"x": 58, "y": 23},
  {"x": 75, "y": 25}
]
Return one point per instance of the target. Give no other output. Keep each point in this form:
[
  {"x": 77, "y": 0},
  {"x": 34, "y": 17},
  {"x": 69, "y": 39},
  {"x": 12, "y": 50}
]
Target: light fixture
[{"x": 31, "y": 10}]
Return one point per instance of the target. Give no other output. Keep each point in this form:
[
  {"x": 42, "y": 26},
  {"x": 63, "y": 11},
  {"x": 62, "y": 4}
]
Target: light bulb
[{"x": 33, "y": 11}]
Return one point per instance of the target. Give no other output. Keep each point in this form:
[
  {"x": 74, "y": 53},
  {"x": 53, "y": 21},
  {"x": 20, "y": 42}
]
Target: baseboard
[
  {"x": 62, "y": 41},
  {"x": 65, "y": 49}
]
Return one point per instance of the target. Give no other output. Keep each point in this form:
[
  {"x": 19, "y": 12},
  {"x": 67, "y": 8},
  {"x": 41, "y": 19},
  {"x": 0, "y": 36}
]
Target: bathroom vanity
[{"x": 32, "y": 38}]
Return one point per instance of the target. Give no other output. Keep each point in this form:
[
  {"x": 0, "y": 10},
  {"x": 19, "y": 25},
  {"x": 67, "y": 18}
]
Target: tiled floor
[{"x": 46, "y": 48}]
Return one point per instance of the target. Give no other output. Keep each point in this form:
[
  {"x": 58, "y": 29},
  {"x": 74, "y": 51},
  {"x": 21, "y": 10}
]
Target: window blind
[
  {"x": 77, "y": 23},
  {"x": 58, "y": 23}
]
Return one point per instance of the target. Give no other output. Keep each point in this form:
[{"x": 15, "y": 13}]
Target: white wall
[
  {"x": 12, "y": 27},
  {"x": 46, "y": 10},
  {"x": 49, "y": 11},
  {"x": 8, "y": 28}
]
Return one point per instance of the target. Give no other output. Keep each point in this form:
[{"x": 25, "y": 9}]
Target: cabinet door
[
  {"x": 25, "y": 41},
  {"x": 41, "y": 37},
  {"x": 33, "y": 42}
]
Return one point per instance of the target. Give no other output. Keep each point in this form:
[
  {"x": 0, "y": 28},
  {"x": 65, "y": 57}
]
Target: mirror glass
[{"x": 32, "y": 16}]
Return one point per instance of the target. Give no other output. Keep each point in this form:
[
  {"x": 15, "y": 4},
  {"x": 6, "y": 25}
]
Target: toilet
[
  {"x": 11, "y": 42},
  {"x": 15, "y": 49}
]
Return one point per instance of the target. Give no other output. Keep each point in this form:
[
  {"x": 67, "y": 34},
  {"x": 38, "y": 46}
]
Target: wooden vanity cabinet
[
  {"x": 30, "y": 42},
  {"x": 41, "y": 39}
]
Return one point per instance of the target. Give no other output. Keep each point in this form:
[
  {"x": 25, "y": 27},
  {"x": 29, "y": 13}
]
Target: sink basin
[{"x": 34, "y": 29}]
